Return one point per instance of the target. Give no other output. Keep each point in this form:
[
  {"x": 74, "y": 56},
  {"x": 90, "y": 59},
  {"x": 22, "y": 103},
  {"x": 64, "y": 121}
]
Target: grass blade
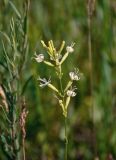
[{"x": 15, "y": 9}]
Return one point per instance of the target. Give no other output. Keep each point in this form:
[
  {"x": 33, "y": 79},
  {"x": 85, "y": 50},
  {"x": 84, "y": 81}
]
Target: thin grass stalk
[
  {"x": 90, "y": 10},
  {"x": 66, "y": 140},
  {"x": 11, "y": 90}
]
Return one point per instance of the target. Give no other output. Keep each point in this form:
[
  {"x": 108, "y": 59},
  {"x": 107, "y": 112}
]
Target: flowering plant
[{"x": 63, "y": 94}]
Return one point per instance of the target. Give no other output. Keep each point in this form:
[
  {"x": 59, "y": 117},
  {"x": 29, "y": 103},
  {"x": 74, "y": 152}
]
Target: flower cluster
[{"x": 56, "y": 59}]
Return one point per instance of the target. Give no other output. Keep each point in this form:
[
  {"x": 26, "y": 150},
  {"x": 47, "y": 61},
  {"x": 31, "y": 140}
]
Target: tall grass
[{"x": 14, "y": 51}]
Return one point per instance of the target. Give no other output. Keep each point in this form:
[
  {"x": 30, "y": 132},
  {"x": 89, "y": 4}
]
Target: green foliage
[{"x": 60, "y": 20}]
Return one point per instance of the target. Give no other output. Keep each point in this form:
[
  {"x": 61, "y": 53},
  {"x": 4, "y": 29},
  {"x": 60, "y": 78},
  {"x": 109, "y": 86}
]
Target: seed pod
[
  {"x": 64, "y": 57},
  {"x": 68, "y": 86},
  {"x": 53, "y": 87},
  {"x": 62, "y": 46},
  {"x": 67, "y": 102},
  {"x": 48, "y": 63}
]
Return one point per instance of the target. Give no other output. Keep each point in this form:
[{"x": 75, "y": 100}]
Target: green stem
[
  {"x": 60, "y": 78},
  {"x": 61, "y": 88},
  {"x": 66, "y": 140},
  {"x": 66, "y": 135}
]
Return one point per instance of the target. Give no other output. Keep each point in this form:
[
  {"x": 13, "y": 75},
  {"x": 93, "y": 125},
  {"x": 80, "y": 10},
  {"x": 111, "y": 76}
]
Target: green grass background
[{"x": 67, "y": 20}]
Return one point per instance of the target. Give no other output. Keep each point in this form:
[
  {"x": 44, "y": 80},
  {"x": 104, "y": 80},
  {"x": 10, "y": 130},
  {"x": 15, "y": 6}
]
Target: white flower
[
  {"x": 44, "y": 82},
  {"x": 39, "y": 58},
  {"x": 70, "y": 49},
  {"x": 74, "y": 76},
  {"x": 71, "y": 92}
]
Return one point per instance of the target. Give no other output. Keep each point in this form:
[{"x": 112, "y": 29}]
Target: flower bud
[
  {"x": 67, "y": 102},
  {"x": 68, "y": 85},
  {"x": 64, "y": 57},
  {"x": 48, "y": 63},
  {"x": 53, "y": 87}
]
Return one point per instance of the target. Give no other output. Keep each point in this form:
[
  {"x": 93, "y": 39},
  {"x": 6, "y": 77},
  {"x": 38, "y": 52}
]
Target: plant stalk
[
  {"x": 23, "y": 146},
  {"x": 91, "y": 7},
  {"x": 66, "y": 139}
]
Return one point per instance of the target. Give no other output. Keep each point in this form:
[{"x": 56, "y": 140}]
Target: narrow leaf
[
  {"x": 15, "y": 9},
  {"x": 26, "y": 84}
]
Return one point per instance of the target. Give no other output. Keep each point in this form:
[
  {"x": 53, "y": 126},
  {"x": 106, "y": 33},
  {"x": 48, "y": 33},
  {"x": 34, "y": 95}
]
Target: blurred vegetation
[{"x": 90, "y": 136}]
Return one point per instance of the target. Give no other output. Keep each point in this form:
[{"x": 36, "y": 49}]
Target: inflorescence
[{"x": 56, "y": 59}]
